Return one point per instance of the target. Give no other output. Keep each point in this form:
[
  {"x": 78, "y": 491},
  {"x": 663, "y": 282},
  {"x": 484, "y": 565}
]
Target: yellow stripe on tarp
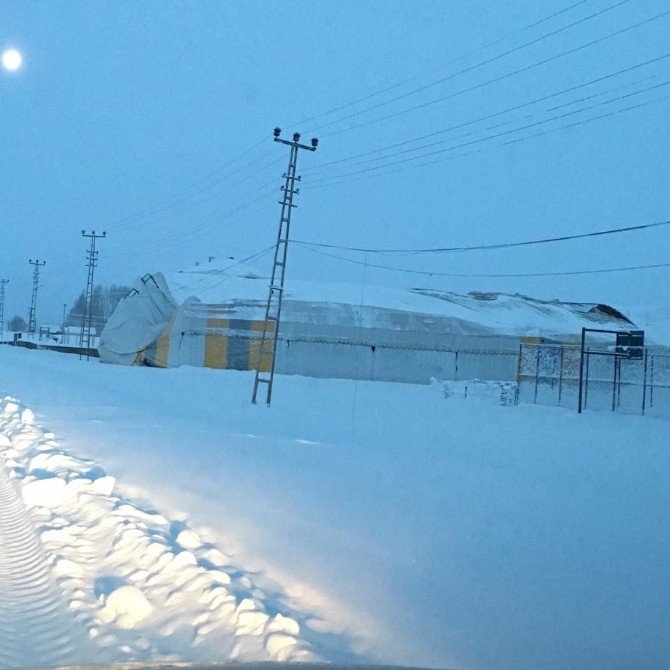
[
  {"x": 217, "y": 324},
  {"x": 258, "y": 325},
  {"x": 254, "y": 355},
  {"x": 216, "y": 350},
  {"x": 264, "y": 365},
  {"x": 163, "y": 346},
  {"x": 216, "y": 344}
]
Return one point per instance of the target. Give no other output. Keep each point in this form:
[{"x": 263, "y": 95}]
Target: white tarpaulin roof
[{"x": 474, "y": 313}]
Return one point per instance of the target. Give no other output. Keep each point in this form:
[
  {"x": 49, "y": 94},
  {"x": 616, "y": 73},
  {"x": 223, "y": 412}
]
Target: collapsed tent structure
[{"x": 207, "y": 317}]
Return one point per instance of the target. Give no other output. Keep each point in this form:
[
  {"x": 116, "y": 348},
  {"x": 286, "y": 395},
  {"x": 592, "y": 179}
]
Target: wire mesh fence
[{"x": 549, "y": 375}]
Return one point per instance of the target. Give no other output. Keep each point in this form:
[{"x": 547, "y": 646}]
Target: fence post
[
  {"x": 581, "y": 371},
  {"x": 537, "y": 372},
  {"x": 560, "y": 378},
  {"x": 586, "y": 378},
  {"x": 644, "y": 386},
  {"x": 616, "y": 365}
]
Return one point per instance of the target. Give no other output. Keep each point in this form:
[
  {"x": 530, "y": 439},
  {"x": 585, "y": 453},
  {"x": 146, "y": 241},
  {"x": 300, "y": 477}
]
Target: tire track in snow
[
  {"x": 140, "y": 586},
  {"x": 35, "y": 626}
]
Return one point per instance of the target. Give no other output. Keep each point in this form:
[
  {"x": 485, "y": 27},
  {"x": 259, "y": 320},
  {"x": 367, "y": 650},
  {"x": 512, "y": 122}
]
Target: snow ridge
[{"x": 138, "y": 585}]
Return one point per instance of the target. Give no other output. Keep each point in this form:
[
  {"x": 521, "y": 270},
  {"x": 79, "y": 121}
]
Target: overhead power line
[
  {"x": 470, "y": 133},
  {"x": 381, "y": 171},
  {"x": 174, "y": 202},
  {"x": 596, "y": 118},
  {"x": 179, "y": 206},
  {"x": 181, "y": 202},
  {"x": 471, "y": 68},
  {"x": 556, "y": 117},
  {"x": 177, "y": 222},
  {"x": 429, "y": 273},
  {"x": 507, "y": 132},
  {"x": 487, "y": 247},
  {"x": 392, "y": 87},
  {"x": 196, "y": 187},
  {"x": 506, "y": 75},
  {"x": 319, "y": 167},
  {"x": 223, "y": 271},
  {"x": 177, "y": 238}
]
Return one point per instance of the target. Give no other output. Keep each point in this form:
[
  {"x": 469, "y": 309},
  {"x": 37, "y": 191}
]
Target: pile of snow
[
  {"x": 500, "y": 393},
  {"x": 138, "y": 585}
]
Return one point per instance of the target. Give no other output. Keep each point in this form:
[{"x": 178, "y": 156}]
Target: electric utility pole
[
  {"x": 2, "y": 306},
  {"x": 267, "y": 351},
  {"x": 92, "y": 258},
  {"x": 32, "y": 312}
]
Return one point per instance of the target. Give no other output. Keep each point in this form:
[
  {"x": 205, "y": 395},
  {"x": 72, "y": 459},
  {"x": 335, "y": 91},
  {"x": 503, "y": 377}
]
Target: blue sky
[{"x": 126, "y": 117}]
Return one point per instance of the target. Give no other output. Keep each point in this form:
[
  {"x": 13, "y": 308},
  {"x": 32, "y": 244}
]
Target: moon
[{"x": 11, "y": 60}]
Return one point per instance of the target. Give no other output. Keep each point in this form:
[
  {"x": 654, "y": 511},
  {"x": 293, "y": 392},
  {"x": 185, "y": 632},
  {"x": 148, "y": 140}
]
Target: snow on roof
[{"x": 493, "y": 312}]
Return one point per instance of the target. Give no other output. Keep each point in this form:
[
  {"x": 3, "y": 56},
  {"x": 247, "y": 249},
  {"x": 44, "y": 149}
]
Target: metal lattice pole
[
  {"x": 32, "y": 312},
  {"x": 63, "y": 323},
  {"x": 2, "y": 306},
  {"x": 92, "y": 259},
  {"x": 267, "y": 351}
]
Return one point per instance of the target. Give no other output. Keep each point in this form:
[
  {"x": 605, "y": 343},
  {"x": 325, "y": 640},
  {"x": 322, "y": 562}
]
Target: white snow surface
[
  {"x": 475, "y": 312},
  {"x": 349, "y": 521},
  {"x": 138, "y": 585}
]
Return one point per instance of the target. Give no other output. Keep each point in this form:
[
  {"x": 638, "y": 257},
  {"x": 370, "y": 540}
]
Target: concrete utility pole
[
  {"x": 267, "y": 351},
  {"x": 32, "y": 312},
  {"x": 92, "y": 258},
  {"x": 2, "y": 306}
]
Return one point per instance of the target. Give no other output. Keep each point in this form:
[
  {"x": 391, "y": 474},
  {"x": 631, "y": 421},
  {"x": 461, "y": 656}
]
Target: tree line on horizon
[{"x": 104, "y": 302}]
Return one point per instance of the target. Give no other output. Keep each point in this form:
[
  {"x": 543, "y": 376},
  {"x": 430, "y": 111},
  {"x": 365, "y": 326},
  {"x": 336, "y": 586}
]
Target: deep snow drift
[
  {"x": 388, "y": 522},
  {"x": 139, "y": 585}
]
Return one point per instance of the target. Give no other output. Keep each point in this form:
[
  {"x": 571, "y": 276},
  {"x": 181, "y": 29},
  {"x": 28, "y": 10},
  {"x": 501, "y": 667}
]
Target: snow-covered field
[{"x": 350, "y": 521}]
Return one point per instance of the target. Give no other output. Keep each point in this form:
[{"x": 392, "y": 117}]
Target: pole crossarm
[{"x": 295, "y": 144}]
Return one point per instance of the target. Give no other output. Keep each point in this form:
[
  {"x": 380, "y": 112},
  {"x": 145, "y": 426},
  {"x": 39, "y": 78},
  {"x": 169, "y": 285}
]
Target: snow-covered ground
[
  {"x": 139, "y": 585},
  {"x": 349, "y": 521}
]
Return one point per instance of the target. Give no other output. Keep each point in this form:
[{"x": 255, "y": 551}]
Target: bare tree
[{"x": 105, "y": 300}]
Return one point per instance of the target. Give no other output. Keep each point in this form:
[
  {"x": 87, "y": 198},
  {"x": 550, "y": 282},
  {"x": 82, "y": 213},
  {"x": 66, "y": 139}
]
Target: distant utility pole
[
  {"x": 265, "y": 365},
  {"x": 92, "y": 258},
  {"x": 62, "y": 340},
  {"x": 32, "y": 312},
  {"x": 2, "y": 305}
]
